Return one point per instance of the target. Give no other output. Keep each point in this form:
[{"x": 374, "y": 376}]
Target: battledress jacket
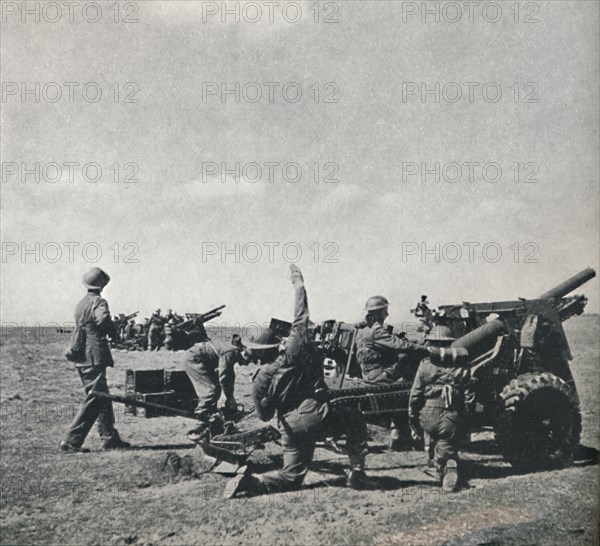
[
  {"x": 436, "y": 386},
  {"x": 378, "y": 349},
  {"x": 220, "y": 356},
  {"x": 93, "y": 314},
  {"x": 297, "y": 373}
]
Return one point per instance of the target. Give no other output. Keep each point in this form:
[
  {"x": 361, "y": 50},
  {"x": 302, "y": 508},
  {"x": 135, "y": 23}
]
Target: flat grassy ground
[{"x": 141, "y": 496}]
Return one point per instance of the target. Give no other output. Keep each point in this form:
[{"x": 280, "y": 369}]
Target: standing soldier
[
  {"x": 130, "y": 329},
  {"x": 93, "y": 323},
  {"x": 437, "y": 407},
  {"x": 424, "y": 315},
  {"x": 293, "y": 386},
  {"x": 382, "y": 355},
  {"x": 155, "y": 327}
]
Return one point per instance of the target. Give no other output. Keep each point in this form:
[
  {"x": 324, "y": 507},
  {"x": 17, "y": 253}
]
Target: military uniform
[
  {"x": 93, "y": 315},
  {"x": 379, "y": 353},
  {"x": 436, "y": 405},
  {"x": 384, "y": 357},
  {"x": 210, "y": 366},
  {"x": 299, "y": 399},
  {"x": 155, "y": 331},
  {"x": 293, "y": 387}
]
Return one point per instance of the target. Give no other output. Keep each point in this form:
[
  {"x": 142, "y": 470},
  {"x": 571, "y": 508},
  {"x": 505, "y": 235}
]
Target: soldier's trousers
[
  {"x": 154, "y": 339},
  {"x": 93, "y": 409},
  {"x": 301, "y": 428},
  {"x": 445, "y": 426},
  {"x": 206, "y": 383}
]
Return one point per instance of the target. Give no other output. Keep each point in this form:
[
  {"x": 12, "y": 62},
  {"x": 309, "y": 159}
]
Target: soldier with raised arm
[{"x": 293, "y": 388}]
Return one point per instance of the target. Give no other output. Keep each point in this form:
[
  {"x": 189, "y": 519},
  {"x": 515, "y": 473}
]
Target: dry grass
[{"x": 133, "y": 497}]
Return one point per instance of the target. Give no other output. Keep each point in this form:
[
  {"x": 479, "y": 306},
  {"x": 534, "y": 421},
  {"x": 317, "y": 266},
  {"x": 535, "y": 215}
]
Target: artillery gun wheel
[{"x": 540, "y": 424}]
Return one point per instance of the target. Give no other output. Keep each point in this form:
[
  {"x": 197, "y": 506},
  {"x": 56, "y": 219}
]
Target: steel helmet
[
  {"x": 440, "y": 333},
  {"x": 95, "y": 278},
  {"x": 376, "y": 302}
]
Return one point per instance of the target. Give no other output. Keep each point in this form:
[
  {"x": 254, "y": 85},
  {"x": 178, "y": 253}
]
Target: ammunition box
[
  {"x": 144, "y": 381},
  {"x": 184, "y": 397}
]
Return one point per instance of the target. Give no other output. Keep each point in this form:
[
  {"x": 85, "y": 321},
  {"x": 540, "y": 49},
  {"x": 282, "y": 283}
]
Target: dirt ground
[{"x": 146, "y": 496}]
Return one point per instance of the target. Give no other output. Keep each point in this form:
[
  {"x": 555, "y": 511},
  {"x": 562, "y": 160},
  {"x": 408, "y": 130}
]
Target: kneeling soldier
[
  {"x": 436, "y": 406},
  {"x": 293, "y": 386}
]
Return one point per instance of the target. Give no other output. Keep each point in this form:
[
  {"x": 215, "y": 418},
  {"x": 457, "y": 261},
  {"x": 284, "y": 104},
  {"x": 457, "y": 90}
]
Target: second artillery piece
[
  {"x": 181, "y": 336},
  {"x": 522, "y": 383}
]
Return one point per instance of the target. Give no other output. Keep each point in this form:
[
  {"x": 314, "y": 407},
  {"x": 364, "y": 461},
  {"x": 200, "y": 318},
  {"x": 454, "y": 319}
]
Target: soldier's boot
[
  {"x": 66, "y": 447},
  {"x": 115, "y": 442},
  {"x": 450, "y": 476},
  {"x": 244, "y": 482},
  {"x": 202, "y": 430},
  {"x": 357, "y": 478},
  {"x": 211, "y": 424},
  {"x": 395, "y": 443}
]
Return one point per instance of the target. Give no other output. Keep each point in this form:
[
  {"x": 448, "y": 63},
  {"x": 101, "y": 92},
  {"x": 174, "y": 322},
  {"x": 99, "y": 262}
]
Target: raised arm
[{"x": 299, "y": 334}]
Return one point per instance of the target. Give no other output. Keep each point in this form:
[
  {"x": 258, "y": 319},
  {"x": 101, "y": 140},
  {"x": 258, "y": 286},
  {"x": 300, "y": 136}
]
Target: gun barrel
[
  {"x": 481, "y": 339},
  {"x": 569, "y": 285},
  {"x": 216, "y": 309}
]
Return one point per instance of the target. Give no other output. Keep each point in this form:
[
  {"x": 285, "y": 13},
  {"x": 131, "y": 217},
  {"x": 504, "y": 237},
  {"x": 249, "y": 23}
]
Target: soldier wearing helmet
[
  {"x": 92, "y": 356},
  {"x": 437, "y": 408},
  {"x": 378, "y": 349},
  {"x": 379, "y": 352},
  {"x": 293, "y": 388},
  {"x": 155, "y": 331}
]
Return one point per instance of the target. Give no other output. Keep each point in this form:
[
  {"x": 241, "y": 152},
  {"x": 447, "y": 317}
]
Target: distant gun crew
[
  {"x": 182, "y": 335},
  {"x": 121, "y": 322}
]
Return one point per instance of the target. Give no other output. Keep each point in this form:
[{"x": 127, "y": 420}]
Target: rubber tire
[{"x": 539, "y": 425}]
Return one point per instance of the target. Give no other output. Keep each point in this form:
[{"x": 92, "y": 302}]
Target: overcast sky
[{"x": 364, "y": 234}]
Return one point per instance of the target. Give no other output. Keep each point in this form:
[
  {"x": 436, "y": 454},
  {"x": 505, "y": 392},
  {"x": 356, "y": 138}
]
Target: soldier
[
  {"x": 155, "y": 330},
  {"x": 130, "y": 329},
  {"x": 293, "y": 386},
  {"x": 169, "y": 342},
  {"x": 383, "y": 355},
  {"x": 436, "y": 407},
  {"x": 210, "y": 367},
  {"x": 424, "y": 315},
  {"x": 94, "y": 323}
]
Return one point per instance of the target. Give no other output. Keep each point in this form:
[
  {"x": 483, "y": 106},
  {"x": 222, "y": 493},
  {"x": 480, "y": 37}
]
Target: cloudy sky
[{"x": 162, "y": 118}]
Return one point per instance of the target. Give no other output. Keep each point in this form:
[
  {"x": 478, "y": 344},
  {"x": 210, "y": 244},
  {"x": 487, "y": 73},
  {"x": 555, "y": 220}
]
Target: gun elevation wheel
[{"x": 540, "y": 423}]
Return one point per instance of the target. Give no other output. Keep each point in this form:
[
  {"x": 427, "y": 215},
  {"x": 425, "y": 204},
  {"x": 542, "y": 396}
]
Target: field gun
[
  {"x": 523, "y": 384},
  {"x": 519, "y": 357},
  {"x": 123, "y": 319},
  {"x": 182, "y": 335},
  {"x": 194, "y": 319}
]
